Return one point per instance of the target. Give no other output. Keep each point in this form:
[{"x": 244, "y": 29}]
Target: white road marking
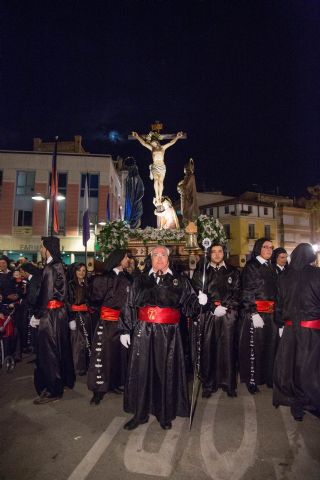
[
  {"x": 137, "y": 460},
  {"x": 302, "y": 465},
  {"x": 228, "y": 465},
  {"x": 92, "y": 457}
]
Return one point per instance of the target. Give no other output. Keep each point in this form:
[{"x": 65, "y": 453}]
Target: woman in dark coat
[
  {"x": 258, "y": 334},
  {"x": 79, "y": 318},
  {"x": 296, "y": 369}
]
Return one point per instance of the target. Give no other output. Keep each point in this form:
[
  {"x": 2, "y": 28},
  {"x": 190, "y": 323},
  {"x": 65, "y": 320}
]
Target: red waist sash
[
  {"x": 305, "y": 324},
  {"x": 79, "y": 308},
  {"x": 52, "y": 304},
  {"x": 265, "y": 306},
  {"x": 109, "y": 314},
  {"x": 158, "y": 315},
  {"x": 216, "y": 303}
]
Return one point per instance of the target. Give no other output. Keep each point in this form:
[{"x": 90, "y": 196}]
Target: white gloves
[
  {"x": 203, "y": 298},
  {"x": 125, "y": 340},
  {"x": 257, "y": 320},
  {"x": 34, "y": 322},
  {"x": 280, "y": 331},
  {"x": 72, "y": 325},
  {"x": 220, "y": 311}
]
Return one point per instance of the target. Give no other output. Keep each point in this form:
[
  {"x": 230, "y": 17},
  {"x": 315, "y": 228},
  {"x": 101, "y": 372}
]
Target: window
[
  {"x": 25, "y": 183},
  {"x": 227, "y": 230},
  {"x": 265, "y": 211},
  {"x": 93, "y": 184},
  {"x": 267, "y": 231},
  {"x": 62, "y": 183},
  {"x": 251, "y": 230},
  {"x": 23, "y": 218},
  {"x": 250, "y": 208},
  {"x": 226, "y": 209}
]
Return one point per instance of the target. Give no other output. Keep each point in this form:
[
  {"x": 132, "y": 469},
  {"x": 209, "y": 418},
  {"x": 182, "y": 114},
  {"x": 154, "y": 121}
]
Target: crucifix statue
[{"x": 157, "y": 168}]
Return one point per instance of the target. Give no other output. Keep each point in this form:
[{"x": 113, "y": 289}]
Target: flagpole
[
  {"x": 86, "y": 219},
  {"x": 54, "y": 181}
]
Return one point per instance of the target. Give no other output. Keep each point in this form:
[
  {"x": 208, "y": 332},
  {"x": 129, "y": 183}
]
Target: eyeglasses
[{"x": 159, "y": 255}]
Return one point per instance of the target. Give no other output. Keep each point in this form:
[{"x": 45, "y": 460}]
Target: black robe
[
  {"x": 156, "y": 381},
  {"x": 54, "y": 367},
  {"x": 29, "y": 301},
  {"x": 218, "y": 347},
  {"x": 108, "y": 363},
  {"x": 81, "y": 336},
  {"x": 297, "y": 365},
  {"x": 257, "y": 346}
]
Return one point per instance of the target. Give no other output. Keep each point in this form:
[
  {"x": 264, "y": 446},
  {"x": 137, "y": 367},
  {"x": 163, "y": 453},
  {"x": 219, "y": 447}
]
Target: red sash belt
[
  {"x": 265, "y": 306},
  {"x": 52, "y": 304},
  {"x": 306, "y": 324},
  {"x": 109, "y": 314},
  {"x": 158, "y": 315},
  {"x": 288, "y": 323},
  {"x": 216, "y": 303},
  {"x": 79, "y": 308}
]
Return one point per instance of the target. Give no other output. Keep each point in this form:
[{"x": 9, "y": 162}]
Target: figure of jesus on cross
[{"x": 158, "y": 167}]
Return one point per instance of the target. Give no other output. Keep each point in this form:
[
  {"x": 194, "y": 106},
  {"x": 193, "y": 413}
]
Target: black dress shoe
[
  {"x": 46, "y": 398},
  {"x": 206, "y": 393},
  {"x": 297, "y": 412},
  {"x": 231, "y": 393},
  {"x": 96, "y": 398},
  {"x": 252, "y": 388},
  {"x": 135, "y": 422},
  {"x": 166, "y": 425}
]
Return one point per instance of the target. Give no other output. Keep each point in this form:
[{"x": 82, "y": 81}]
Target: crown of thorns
[{"x": 153, "y": 136}]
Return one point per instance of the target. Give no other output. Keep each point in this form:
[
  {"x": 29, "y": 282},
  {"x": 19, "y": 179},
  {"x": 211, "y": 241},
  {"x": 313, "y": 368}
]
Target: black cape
[
  {"x": 108, "y": 361},
  {"x": 218, "y": 348},
  {"x": 257, "y": 346},
  {"x": 156, "y": 381},
  {"x": 54, "y": 367}
]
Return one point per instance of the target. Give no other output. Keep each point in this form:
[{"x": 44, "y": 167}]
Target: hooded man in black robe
[
  {"x": 54, "y": 366},
  {"x": 156, "y": 380},
  {"x": 108, "y": 360},
  {"x": 297, "y": 366},
  {"x": 258, "y": 330},
  {"x": 218, "y": 349}
]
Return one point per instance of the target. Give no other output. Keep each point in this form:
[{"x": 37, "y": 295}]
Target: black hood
[
  {"x": 302, "y": 256},
  {"x": 114, "y": 259}
]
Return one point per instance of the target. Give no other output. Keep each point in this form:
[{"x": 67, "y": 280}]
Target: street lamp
[{"x": 39, "y": 197}]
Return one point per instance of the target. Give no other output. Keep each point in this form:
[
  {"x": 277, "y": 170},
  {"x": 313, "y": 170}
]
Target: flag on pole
[
  {"x": 108, "y": 208},
  {"x": 85, "y": 218},
  {"x": 54, "y": 191}
]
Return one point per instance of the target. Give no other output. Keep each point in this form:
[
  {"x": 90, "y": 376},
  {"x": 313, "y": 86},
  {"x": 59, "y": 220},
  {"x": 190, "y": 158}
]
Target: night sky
[{"x": 242, "y": 78}]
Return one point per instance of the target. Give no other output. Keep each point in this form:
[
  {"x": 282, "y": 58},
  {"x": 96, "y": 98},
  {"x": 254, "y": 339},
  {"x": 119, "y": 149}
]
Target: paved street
[{"x": 231, "y": 439}]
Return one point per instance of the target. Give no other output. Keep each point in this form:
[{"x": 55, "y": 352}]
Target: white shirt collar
[
  {"x": 261, "y": 260},
  {"x": 218, "y": 266},
  {"x": 281, "y": 267},
  {"x": 49, "y": 259},
  {"x": 116, "y": 270},
  {"x": 167, "y": 271}
]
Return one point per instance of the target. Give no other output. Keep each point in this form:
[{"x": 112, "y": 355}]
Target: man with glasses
[
  {"x": 258, "y": 331},
  {"x": 156, "y": 382}
]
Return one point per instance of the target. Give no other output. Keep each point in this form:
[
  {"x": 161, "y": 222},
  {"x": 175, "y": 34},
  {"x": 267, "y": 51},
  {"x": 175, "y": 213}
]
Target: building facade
[
  {"x": 24, "y": 220},
  {"x": 253, "y": 215}
]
